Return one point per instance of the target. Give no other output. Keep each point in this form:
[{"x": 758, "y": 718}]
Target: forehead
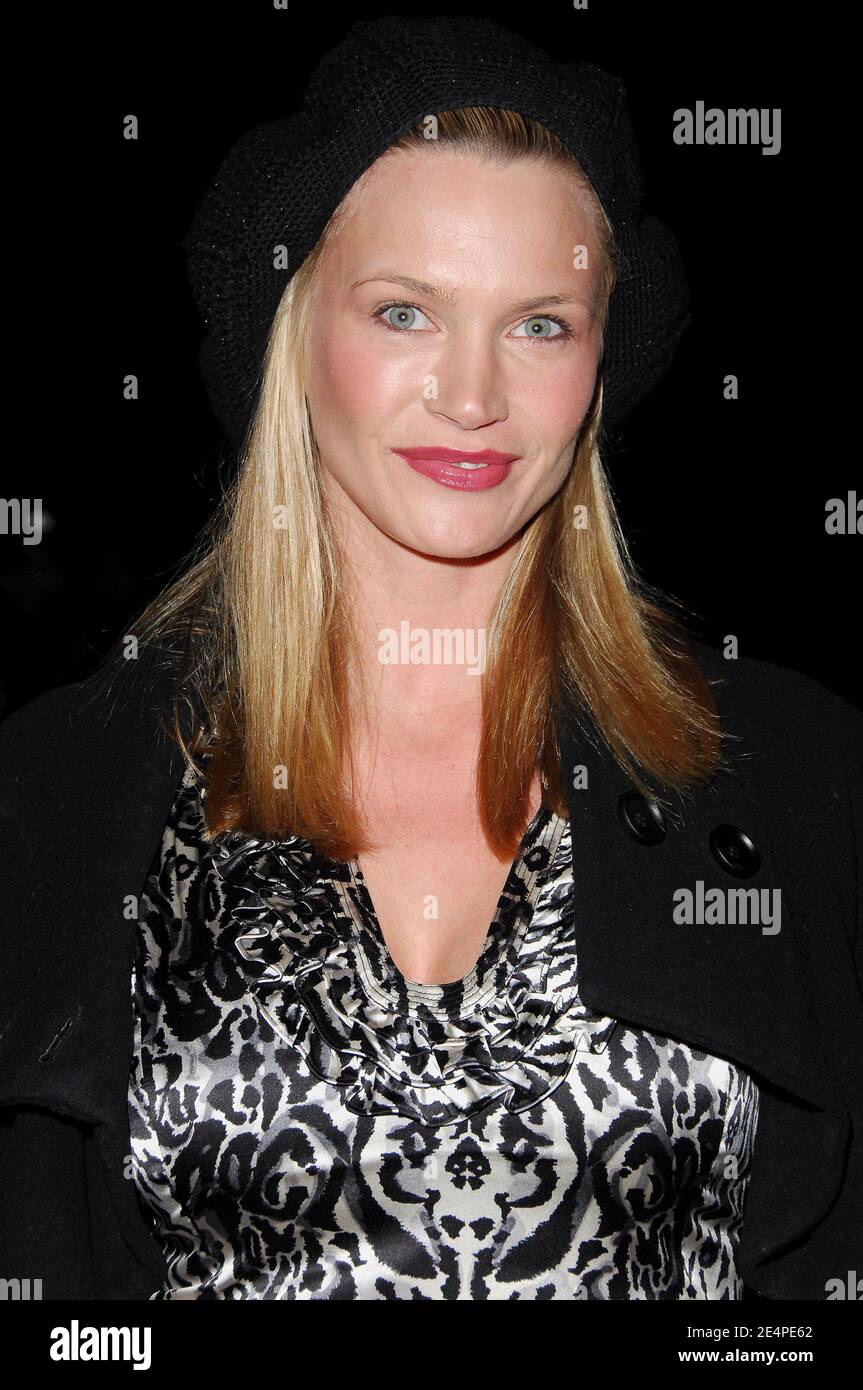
[{"x": 441, "y": 204}]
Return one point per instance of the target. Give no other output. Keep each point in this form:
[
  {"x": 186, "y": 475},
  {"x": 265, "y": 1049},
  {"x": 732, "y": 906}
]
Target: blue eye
[
  {"x": 543, "y": 319},
  {"x": 406, "y": 312}
]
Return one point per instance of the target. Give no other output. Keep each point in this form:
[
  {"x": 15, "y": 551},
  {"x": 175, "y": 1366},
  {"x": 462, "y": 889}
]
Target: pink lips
[{"x": 441, "y": 465}]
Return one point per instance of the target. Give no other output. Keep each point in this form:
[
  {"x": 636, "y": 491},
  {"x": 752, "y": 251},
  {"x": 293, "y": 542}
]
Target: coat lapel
[
  {"x": 734, "y": 989},
  {"x": 730, "y": 989}
]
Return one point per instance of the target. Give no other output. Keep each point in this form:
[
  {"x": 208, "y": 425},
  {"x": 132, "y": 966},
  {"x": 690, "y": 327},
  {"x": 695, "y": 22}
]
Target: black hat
[{"x": 280, "y": 182}]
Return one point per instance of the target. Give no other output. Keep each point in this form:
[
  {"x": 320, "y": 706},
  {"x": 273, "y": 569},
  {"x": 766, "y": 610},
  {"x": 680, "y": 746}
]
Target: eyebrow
[{"x": 446, "y": 296}]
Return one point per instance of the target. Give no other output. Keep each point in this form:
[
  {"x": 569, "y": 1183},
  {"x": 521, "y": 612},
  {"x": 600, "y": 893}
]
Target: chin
[{"x": 450, "y": 547}]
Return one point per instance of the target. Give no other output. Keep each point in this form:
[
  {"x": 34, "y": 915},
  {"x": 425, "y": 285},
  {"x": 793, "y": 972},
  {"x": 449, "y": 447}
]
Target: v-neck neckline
[{"x": 385, "y": 984}]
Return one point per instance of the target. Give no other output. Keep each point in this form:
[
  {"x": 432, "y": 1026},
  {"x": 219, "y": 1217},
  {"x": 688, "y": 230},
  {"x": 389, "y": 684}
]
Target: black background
[{"x": 723, "y": 502}]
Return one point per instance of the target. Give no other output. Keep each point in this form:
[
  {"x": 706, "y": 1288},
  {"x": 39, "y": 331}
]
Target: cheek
[
  {"x": 359, "y": 383},
  {"x": 561, "y": 397}
]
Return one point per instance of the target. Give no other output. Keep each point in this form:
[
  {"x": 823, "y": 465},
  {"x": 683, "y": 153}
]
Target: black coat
[{"x": 87, "y": 782}]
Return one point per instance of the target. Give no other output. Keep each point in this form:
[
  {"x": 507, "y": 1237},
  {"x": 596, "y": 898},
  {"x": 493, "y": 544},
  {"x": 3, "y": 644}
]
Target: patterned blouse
[{"x": 306, "y": 1123}]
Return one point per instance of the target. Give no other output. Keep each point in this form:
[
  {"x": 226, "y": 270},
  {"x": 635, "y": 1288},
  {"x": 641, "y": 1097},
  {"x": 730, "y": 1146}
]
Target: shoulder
[
  {"x": 116, "y": 691},
  {"x": 778, "y": 707},
  {"x": 796, "y": 746},
  {"x": 44, "y": 718},
  {"x": 63, "y": 741},
  {"x": 32, "y": 742}
]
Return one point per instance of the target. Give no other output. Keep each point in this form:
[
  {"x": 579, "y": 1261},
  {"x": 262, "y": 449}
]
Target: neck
[{"x": 421, "y": 624}]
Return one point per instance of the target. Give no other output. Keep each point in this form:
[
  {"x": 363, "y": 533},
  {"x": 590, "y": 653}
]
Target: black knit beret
[{"x": 280, "y": 182}]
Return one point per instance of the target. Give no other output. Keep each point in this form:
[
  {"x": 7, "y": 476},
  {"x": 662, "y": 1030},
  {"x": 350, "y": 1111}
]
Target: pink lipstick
[{"x": 459, "y": 468}]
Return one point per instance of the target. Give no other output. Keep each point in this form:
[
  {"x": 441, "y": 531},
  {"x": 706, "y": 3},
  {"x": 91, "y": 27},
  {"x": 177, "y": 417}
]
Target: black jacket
[{"x": 87, "y": 782}]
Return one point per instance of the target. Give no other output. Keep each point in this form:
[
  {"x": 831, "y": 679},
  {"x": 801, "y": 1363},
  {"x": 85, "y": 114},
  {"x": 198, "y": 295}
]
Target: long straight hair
[{"x": 259, "y": 621}]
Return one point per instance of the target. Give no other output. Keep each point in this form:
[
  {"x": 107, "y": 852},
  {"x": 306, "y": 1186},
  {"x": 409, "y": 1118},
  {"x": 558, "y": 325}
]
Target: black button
[
  {"x": 642, "y": 818},
  {"x": 733, "y": 850}
]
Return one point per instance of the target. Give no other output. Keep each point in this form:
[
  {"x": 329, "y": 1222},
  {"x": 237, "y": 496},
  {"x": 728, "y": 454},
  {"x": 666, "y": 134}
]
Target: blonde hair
[{"x": 267, "y": 641}]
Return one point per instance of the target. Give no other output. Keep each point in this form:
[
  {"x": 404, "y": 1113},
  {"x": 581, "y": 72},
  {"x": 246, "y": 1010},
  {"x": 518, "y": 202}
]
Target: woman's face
[{"x": 486, "y": 366}]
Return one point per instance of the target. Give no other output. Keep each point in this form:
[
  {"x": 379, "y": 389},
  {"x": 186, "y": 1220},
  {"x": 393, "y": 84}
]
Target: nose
[{"x": 466, "y": 385}]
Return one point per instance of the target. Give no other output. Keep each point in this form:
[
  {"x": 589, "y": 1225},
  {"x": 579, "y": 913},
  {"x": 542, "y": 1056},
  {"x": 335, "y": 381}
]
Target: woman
[{"x": 459, "y": 902}]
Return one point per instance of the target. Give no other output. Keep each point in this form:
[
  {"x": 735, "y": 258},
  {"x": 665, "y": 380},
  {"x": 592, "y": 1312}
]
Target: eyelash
[{"x": 566, "y": 328}]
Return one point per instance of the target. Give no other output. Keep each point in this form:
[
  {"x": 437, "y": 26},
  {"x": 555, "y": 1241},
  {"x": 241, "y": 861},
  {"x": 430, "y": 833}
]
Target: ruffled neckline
[{"x": 301, "y": 930}]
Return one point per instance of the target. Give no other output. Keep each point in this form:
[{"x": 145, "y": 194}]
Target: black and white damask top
[{"x": 306, "y": 1123}]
